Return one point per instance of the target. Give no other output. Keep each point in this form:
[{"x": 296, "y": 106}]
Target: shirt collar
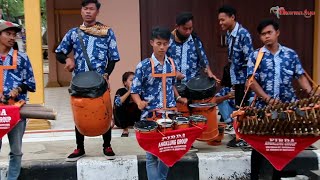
[
  {"x": 10, "y": 53},
  {"x": 235, "y": 30},
  {"x": 156, "y": 62},
  {"x": 265, "y": 50}
]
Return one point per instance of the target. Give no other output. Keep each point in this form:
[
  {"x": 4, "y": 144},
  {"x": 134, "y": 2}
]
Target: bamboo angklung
[{"x": 299, "y": 118}]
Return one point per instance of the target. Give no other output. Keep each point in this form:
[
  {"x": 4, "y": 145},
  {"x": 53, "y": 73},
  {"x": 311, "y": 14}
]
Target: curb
[{"x": 193, "y": 166}]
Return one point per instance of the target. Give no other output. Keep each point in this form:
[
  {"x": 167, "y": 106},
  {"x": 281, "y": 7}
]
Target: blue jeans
[
  {"x": 226, "y": 110},
  {"x": 156, "y": 169},
  {"x": 15, "y": 155}
]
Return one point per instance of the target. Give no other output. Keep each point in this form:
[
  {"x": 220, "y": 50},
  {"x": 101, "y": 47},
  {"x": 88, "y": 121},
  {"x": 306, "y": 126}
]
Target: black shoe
[
  {"x": 108, "y": 152},
  {"x": 77, "y": 154},
  {"x": 237, "y": 144}
]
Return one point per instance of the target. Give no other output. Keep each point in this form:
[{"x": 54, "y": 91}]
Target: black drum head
[
  {"x": 144, "y": 125},
  {"x": 88, "y": 79}
]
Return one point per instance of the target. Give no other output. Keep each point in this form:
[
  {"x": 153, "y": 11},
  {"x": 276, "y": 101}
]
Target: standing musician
[
  {"x": 187, "y": 51},
  {"x": 273, "y": 79},
  {"x": 101, "y": 47},
  {"x": 16, "y": 80},
  {"x": 147, "y": 90},
  {"x": 239, "y": 48}
]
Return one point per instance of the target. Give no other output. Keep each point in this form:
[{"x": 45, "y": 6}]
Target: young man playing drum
[
  {"x": 239, "y": 48},
  {"x": 273, "y": 78},
  {"x": 103, "y": 53},
  {"x": 15, "y": 85},
  {"x": 149, "y": 95},
  {"x": 187, "y": 51}
]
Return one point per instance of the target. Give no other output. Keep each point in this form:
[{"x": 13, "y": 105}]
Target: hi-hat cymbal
[{"x": 162, "y": 111}]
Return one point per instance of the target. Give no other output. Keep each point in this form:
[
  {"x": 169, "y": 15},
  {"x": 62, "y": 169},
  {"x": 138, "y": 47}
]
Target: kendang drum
[
  {"x": 145, "y": 126},
  {"x": 181, "y": 123},
  {"x": 91, "y": 103},
  {"x": 207, "y": 108},
  {"x": 165, "y": 125}
]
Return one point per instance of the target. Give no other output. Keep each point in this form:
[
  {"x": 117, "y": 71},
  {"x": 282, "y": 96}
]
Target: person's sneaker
[
  {"x": 108, "y": 152},
  {"x": 229, "y": 129},
  {"x": 77, "y": 154},
  {"x": 193, "y": 149},
  {"x": 237, "y": 144}
]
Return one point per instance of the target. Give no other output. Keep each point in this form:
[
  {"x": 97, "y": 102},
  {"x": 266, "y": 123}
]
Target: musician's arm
[
  {"x": 304, "y": 83},
  {"x": 220, "y": 99},
  {"x": 178, "y": 97},
  {"x": 255, "y": 86},
  {"x": 141, "y": 104}
]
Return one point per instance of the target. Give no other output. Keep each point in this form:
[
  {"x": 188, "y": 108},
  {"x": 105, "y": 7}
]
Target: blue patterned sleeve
[
  {"x": 136, "y": 86},
  {"x": 28, "y": 76},
  {"x": 251, "y": 63},
  {"x": 65, "y": 45},
  {"x": 298, "y": 69},
  {"x": 247, "y": 46},
  {"x": 203, "y": 54},
  {"x": 113, "y": 53},
  {"x": 117, "y": 100}
]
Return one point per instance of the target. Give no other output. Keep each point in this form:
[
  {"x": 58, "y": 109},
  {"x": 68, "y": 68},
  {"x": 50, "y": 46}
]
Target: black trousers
[
  {"x": 256, "y": 165},
  {"x": 239, "y": 91},
  {"x": 80, "y": 139},
  {"x": 125, "y": 116}
]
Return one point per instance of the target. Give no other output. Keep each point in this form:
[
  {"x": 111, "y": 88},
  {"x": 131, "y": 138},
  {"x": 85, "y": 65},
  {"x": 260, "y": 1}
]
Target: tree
[{"x": 13, "y": 10}]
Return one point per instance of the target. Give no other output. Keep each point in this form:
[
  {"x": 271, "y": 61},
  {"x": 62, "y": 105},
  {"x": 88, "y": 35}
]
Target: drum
[
  {"x": 210, "y": 113},
  {"x": 165, "y": 125},
  {"x": 201, "y": 87},
  {"x": 181, "y": 123},
  {"x": 218, "y": 140},
  {"x": 91, "y": 103},
  {"x": 198, "y": 120},
  {"x": 145, "y": 126}
]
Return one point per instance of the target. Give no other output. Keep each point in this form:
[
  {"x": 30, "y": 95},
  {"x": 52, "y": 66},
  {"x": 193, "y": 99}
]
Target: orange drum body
[
  {"x": 181, "y": 123},
  {"x": 92, "y": 116},
  {"x": 91, "y": 103},
  {"x": 183, "y": 108},
  {"x": 211, "y": 114}
]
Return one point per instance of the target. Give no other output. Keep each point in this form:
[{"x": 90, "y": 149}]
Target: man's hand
[
  {"x": 231, "y": 95},
  {"x": 183, "y": 100},
  {"x": 142, "y": 105},
  {"x": 1, "y": 97},
  {"x": 69, "y": 65},
  {"x": 14, "y": 93},
  {"x": 180, "y": 76},
  {"x": 211, "y": 75}
]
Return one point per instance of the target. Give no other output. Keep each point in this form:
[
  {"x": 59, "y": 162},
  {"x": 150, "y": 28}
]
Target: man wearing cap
[{"x": 16, "y": 82}]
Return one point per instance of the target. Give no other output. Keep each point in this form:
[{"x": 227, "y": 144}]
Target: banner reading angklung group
[
  {"x": 9, "y": 117},
  {"x": 279, "y": 150},
  {"x": 171, "y": 146}
]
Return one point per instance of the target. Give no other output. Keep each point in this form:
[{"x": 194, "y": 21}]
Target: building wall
[{"x": 121, "y": 15}]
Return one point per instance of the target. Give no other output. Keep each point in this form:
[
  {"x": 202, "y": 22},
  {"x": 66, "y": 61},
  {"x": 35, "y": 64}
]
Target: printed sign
[
  {"x": 9, "y": 117},
  {"x": 170, "y": 146}
]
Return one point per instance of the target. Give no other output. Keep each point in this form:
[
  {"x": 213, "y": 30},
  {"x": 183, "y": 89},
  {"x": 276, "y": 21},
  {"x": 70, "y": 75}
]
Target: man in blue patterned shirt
[
  {"x": 16, "y": 83},
  {"x": 239, "y": 48},
  {"x": 101, "y": 47},
  {"x": 187, "y": 51},
  {"x": 148, "y": 93},
  {"x": 274, "y": 76}
]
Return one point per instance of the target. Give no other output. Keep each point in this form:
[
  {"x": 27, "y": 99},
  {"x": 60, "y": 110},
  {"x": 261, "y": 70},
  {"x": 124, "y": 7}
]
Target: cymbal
[
  {"x": 162, "y": 111},
  {"x": 202, "y": 105}
]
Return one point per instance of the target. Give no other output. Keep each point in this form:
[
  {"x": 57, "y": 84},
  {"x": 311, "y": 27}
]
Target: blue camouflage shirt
[
  {"x": 223, "y": 92},
  {"x": 186, "y": 57},
  {"x": 23, "y": 74},
  {"x": 99, "y": 49},
  {"x": 276, "y": 72},
  {"x": 150, "y": 88},
  {"x": 242, "y": 48}
]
